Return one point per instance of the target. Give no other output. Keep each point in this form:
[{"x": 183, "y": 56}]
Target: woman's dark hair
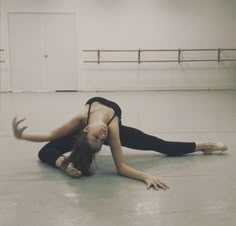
[{"x": 82, "y": 155}]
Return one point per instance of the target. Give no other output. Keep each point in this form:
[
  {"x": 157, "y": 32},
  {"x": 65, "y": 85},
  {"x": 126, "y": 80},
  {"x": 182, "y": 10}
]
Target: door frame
[{"x": 76, "y": 52}]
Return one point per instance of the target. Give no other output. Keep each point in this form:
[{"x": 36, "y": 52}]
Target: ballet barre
[
  {"x": 2, "y": 61},
  {"x": 178, "y": 59}
]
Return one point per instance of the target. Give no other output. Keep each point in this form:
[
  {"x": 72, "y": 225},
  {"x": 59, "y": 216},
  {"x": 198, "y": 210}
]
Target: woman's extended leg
[
  {"x": 207, "y": 147},
  {"x": 136, "y": 139}
]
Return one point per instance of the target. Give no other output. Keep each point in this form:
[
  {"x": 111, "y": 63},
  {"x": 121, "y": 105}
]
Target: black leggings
[{"x": 130, "y": 138}]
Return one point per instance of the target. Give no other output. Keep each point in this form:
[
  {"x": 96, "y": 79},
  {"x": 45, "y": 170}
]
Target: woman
[{"x": 100, "y": 123}]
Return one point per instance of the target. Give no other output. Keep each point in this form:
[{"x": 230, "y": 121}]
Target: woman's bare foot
[
  {"x": 70, "y": 169},
  {"x": 208, "y": 147}
]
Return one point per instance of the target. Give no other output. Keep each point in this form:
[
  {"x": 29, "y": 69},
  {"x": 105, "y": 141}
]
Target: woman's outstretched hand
[
  {"x": 156, "y": 183},
  {"x": 18, "y": 131}
]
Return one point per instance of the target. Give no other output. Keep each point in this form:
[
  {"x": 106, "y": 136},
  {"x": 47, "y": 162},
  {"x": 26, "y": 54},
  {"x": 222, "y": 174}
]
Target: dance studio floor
[{"x": 202, "y": 188}]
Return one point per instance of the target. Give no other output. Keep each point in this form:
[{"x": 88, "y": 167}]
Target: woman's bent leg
[
  {"x": 136, "y": 139},
  {"x": 54, "y": 149}
]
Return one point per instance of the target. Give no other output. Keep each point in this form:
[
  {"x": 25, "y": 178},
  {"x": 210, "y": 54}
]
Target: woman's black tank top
[{"x": 108, "y": 103}]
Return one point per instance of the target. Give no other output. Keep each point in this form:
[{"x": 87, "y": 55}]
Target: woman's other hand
[{"x": 18, "y": 131}]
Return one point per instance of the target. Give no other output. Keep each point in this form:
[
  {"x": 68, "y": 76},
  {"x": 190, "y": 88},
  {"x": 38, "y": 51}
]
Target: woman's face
[{"x": 96, "y": 135}]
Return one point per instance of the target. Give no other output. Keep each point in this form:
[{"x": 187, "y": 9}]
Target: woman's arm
[
  {"x": 63, "y": 130},
  {"x": 119, "y": 159}
]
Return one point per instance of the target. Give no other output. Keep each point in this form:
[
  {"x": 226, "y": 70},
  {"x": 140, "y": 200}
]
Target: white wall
[{"x": 145, "y": 24}]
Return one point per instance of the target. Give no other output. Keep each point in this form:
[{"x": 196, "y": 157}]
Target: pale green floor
[{"x": 203, "y": 188}]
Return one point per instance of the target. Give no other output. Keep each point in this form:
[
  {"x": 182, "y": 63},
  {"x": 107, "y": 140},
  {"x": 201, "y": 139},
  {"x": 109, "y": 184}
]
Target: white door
[
  {"x": 26, "y": 50},
  {"x": 42, "y": 51}
]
